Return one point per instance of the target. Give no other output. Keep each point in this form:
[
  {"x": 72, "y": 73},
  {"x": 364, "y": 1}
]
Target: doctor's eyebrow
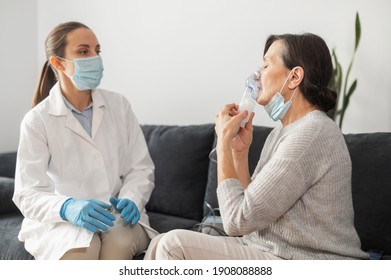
[
  {"x": 87, "y": 46},
  {"x": 83, "y": 45}
]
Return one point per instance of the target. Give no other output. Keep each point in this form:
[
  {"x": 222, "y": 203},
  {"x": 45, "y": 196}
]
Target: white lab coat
[{"x": 57, "y": 159}]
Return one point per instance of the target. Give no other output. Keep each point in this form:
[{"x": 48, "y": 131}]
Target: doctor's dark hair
[
  {"x": 311, "y": 53},
  {"x": 55, "y": 45}
]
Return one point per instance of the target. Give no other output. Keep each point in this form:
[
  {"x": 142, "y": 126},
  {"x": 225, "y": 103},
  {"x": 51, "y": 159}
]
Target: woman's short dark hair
[{"x": 311, "y": 53}]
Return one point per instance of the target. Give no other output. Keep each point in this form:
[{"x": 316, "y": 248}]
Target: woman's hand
[
  {"x": 228, "y": 130},
  {"x": 231, "y": 141},
  {"x": 227, "y": 122},
  {"x": 244, "y": 138}
]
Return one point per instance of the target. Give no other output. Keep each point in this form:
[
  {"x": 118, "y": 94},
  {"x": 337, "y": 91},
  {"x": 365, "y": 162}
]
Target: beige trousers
[
  {"x": 120, "y": 242},
  {"x": 191, "y": 245}
]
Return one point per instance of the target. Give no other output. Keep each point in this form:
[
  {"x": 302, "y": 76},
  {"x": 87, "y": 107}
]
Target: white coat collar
[{"x": 57, "y": 107}]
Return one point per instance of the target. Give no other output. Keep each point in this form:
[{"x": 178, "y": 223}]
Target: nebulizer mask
[
  {"x": 250, "y": 95},
  {"x": 249, "y": 100}
]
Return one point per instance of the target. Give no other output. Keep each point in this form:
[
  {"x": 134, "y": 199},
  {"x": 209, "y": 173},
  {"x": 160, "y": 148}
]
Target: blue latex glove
[
  {"x": 90, "y": 214},
  {"x": 126, "y": 208}
]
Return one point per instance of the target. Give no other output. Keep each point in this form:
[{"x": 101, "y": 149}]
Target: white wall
[
  {"x": 179, "y": 62},
  {"x": 18, "y": 66}
]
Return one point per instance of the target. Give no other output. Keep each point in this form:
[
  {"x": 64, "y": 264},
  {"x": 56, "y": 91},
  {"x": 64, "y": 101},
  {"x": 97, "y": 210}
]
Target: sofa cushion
[
  {"x": 11, "y": 247},
  {"x": 6, "y": 193},
  {"x": 260, "y": 134},
  {"x": 180, "y": 154},
  {"x": 164, "y": 223},
  {"x": 371, "y": 188}
]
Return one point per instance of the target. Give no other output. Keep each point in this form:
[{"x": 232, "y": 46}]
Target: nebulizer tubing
[{"x": 248, "y": 101}]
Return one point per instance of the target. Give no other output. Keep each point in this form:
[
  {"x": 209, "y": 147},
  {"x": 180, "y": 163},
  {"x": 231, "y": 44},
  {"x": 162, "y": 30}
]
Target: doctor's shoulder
[
  {"x": 36, "y": 116},
  {"x": 115, "y": 100}
]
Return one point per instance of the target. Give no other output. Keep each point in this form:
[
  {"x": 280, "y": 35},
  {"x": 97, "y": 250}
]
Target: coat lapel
[
  {"x": 58, "y": 108},
  {"x": 73, "y": 124},
  {"x": 97, "y": 111}
]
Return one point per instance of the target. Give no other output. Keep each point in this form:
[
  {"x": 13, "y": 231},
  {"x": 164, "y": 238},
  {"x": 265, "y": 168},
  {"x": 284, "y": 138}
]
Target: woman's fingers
[{"x": 229, "y": 109}]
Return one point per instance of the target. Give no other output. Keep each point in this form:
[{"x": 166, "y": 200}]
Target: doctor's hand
[
  {"x": 126, "y": 208},
  {"x": 90, "y": 214}
]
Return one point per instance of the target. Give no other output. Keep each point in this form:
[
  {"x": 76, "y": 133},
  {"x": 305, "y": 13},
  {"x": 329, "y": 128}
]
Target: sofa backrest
[{"x": 180, "y": 154}]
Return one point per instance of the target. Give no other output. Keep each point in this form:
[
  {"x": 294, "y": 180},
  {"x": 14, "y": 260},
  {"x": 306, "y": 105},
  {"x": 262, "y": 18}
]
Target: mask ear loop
[
  {"x": 286, "y": 80},
  {"x": 294, "y": 92},
  {"x": 65, "y": 59}
]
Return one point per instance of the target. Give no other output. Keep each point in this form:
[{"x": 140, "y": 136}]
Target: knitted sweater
[{"x": 299, "y": 203}]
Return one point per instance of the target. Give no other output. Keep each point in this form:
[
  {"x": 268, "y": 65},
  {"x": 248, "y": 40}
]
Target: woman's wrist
[
  {"x": 223, "y": 144},
  {"x": 242, "y": 154}
]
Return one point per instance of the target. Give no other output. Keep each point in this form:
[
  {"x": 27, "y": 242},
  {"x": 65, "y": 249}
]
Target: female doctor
[{"x": 81, "y": 149}]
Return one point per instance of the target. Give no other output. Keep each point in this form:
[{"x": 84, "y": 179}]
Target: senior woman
[{"x": 298, "y": 202}]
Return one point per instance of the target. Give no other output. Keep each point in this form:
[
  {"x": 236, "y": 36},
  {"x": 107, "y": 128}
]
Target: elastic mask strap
[
  {"x": 69, "y": 76},
  {"x": 294, "y": 92},
  {"x": 286, "y": 80},
  {"x": 65, "y": 58}
]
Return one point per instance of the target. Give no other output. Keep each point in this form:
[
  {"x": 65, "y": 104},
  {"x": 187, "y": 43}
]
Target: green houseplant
[{"x": 339, "y": 82}]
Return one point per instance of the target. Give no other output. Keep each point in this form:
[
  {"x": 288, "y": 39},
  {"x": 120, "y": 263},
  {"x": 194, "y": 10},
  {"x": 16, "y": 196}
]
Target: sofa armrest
[
  {"x": 371, "y": 189},
  {"x": 7, "y": 164},
  {"x": 6, "y": 193}
]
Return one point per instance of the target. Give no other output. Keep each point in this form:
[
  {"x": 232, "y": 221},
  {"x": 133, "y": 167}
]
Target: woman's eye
[
  {"x": 83, "y": 52},
  {"x": 98, "y": 52}
]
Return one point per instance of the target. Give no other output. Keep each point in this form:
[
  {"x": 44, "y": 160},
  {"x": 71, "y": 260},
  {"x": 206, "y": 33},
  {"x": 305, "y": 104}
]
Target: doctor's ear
[
  {"x": 55, "y": 62},
  {"x": 296, "y": 77}
]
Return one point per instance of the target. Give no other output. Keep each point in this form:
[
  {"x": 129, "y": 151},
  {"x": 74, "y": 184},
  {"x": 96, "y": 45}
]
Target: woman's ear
[
  {"x": 296, "y": 77},
  {"x": 55, "y": 62}
]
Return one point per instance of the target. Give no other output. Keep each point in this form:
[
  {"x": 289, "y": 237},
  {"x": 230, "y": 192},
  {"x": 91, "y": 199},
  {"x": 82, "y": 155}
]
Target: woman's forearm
[
  {"x": 242, "y": 168},
  {"x": 225, "y": 162},
  {"x": 231, "y": 164}
]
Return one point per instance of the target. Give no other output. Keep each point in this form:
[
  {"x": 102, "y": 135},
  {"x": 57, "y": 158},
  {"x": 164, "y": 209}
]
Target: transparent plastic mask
[{"x": 250, "y": 95}]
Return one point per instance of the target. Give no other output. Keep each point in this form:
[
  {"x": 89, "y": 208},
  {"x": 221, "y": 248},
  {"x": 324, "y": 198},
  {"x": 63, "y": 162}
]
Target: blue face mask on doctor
[
  {"x": 276, "y": 107},
  {"x": 88, "y": 72}
]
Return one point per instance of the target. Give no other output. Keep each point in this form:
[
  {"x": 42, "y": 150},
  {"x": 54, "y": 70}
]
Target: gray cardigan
[{"x": 299, "y": 203}]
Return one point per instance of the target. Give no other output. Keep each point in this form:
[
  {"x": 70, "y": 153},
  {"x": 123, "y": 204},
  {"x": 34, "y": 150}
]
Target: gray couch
[{"x": 186, "y": 178}]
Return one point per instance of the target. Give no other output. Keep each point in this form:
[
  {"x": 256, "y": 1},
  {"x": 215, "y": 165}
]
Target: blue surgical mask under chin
[
  {"x": 276, "y": 107},
  {"x": 88, "y": 72}
]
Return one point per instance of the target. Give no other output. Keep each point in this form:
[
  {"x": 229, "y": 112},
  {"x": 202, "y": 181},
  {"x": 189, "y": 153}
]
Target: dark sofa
[{"x": 186, "y": 178}]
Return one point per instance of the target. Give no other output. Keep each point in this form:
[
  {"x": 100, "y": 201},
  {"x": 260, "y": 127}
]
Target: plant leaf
[
  {"x": 346, "y": 102},
  {"x": 339, "y": 81},
  {"x": 352, "y": 88},
  {"x": 349, "y": 94},
  {"x": 358, "y": 31}
]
